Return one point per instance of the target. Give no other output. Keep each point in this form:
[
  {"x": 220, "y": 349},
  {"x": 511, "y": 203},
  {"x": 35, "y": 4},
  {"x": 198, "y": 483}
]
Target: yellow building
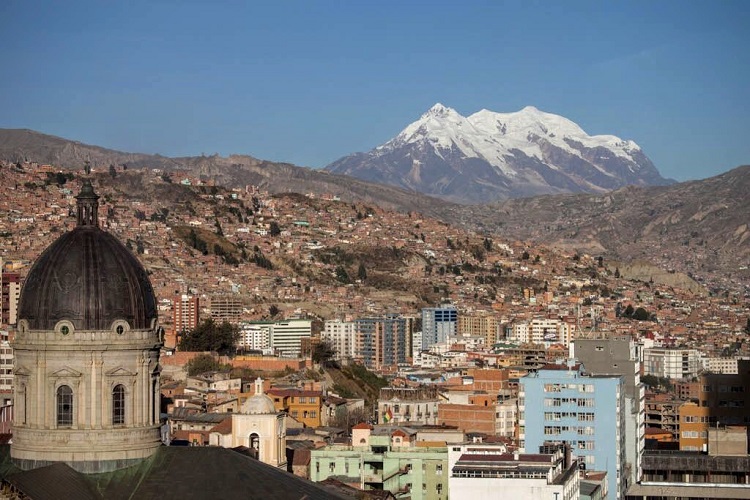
[
  {"x": 303, "y": 406},
  {"x": 694, "y": 423}
]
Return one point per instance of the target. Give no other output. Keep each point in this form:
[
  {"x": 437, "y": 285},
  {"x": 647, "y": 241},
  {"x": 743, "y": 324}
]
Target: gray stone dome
[{"x": 88, "y": 278}]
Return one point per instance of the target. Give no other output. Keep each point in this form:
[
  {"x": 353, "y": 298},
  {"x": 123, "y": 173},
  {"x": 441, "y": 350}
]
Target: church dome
[
  {"x": 260, "y": 403},
  {"x": 88, "y": 278}
]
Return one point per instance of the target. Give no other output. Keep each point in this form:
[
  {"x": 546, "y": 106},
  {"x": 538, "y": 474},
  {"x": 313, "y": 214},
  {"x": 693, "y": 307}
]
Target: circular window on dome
[
  {"x": 64, "y": 327},
  {"x": 120, "y": 326}
]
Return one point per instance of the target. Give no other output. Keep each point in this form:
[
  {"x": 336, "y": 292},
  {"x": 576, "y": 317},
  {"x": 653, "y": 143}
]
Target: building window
[
  {"x": 439, "y": 469},
  {"x": 313, "y": 414},
  {"x": 118, "y": 405},
  {"x": 332, "y": 466},
  {"x": 64, "y": 405}
]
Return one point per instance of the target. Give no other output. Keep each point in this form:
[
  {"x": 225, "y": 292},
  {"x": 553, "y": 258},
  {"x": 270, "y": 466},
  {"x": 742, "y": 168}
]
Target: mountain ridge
[
  {"x": 695, "y": 227},
  {"x": 489, "y": 156}
]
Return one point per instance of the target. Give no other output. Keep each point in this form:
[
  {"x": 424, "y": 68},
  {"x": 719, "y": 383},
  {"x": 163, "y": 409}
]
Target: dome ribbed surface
[
  {"x": 89, "y": 278},
  {"x": 260, "y": 404}
]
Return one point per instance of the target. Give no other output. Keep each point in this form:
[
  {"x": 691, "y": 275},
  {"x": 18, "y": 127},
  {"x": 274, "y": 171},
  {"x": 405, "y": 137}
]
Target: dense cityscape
[{"x": 386, "y": 353}]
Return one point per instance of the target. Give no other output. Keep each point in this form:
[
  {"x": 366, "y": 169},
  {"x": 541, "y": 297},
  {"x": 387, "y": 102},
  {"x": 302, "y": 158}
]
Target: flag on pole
[{"x": 388, "y": 416}]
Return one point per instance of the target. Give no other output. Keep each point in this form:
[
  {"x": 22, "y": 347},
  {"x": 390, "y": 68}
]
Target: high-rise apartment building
[
  {"x": 438, "y": 323},
  {"x": 560, "y": 403},
  {"x": 6, "y": 365},
  {"x": 671, "y": 363},
  {"x": 382, "y": 341},
  {"x": 620, "y": 356},
  {"x": 10, "y": 288},
  {"x": 185, "y": 313},
  {"x": 481, "y": 324},
  {"x": 543, "y": 331},
  {"x": 254, "y": 336},
  {"x": 341, "y": 336},
  {"x": 286, "y": 336}
]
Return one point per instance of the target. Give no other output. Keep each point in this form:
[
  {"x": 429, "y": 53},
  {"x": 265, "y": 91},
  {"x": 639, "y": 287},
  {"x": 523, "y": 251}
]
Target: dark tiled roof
[
  {"x": 49, "y": 482},
  {"x": 171, "y": 473}
]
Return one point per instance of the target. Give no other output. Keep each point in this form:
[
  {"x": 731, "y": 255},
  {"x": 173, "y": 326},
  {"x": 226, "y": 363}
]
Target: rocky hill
[
  {"x": 698, "y": 227},
  {"x": 701, "y": 227},
  {"x": 491, "y": 156},
  {"x": 233, "y": 171}
]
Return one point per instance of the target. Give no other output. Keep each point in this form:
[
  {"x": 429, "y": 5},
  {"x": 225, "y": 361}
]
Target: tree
[
  {"x": 274, "y": 229},
  {"x": 323, "y": 353},
  {"x": 273, "y": 310},
  {"x": 600, "y": 261},
  {"x": 617, "y": 272},
  {"x": 201, "y": 364},
  {"x": 629, "y": 311},
  {"x": 747, "y": 327},
  {"x": 640, "y": 314},
  {"x": 525, "y": 255},
  {"x": 362, "y": 272},
  {"x": 211, "y": 336},
  {"x": 342, "y": 275},
  {"x": 112, "y": 171}
]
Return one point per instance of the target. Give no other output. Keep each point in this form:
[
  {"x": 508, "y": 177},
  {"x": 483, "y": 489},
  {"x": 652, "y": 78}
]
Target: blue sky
[{"x": 310, "y": 81}]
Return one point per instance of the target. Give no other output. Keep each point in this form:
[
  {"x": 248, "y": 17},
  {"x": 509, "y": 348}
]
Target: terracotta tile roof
[{"x": 224, "y": 427}]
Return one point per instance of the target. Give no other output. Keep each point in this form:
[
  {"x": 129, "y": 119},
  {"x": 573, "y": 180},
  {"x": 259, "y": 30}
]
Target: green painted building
[{"x": 386, "y": 458}]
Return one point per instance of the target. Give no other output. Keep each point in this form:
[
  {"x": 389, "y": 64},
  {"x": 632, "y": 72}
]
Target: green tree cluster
[
  {"x": 211, "y": 336},
  {"x": 197, "y": 242},
  {"x": 323, "y": 353},
  {"x": 342, "y": 275}
]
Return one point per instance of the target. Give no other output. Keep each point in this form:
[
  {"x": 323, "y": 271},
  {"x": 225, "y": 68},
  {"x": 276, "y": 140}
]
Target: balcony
[{"x": 373, "y": 478}]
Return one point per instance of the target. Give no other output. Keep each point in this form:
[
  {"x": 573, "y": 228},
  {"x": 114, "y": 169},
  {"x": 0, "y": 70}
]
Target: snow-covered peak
[
  {"x": 524, "y": 152},
  {"x": 494, "y": 136},
  {"x": 438, "y": 109},
  {"x": 528, "y": 120},
  {"x": 442, "y": 125}
]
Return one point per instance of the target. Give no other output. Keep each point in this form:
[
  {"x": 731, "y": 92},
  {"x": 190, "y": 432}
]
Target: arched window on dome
[
  {"x": 64, "y": 406},
  {"x": 118, "y": 405}
]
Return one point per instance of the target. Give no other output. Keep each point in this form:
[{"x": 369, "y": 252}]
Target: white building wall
[
  {"x": 254, "y": 336},
  {"x": 286, "y": 336},
  {"x": 342, "y": 336}
]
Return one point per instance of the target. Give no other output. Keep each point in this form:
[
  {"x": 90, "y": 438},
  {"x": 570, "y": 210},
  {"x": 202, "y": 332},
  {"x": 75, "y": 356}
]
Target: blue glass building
[{"x": 438, "y": 323}]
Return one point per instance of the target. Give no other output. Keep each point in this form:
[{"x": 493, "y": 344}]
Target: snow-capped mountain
[{"x": 490, "y": 156}]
